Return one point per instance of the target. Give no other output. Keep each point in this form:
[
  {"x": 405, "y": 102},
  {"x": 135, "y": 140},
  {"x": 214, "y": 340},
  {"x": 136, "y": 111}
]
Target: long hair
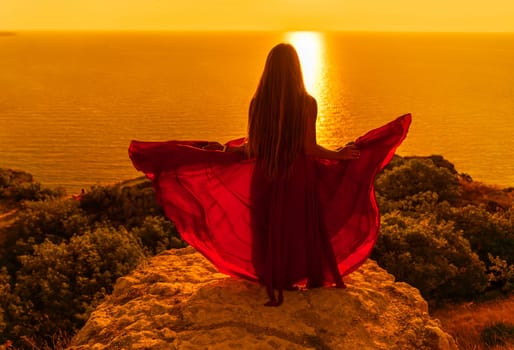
[{"x": 277, "y": 122}]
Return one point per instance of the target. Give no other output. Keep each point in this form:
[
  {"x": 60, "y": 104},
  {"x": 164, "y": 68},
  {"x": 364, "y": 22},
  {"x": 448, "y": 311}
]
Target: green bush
[
  {"x": 59, "y": 284},
  {"x": 61, "y": 256},
  {"x": 158, "y": 234},
  {"x": 55, "y": 220},
  {"x": 488, "y": 233},
  {"x": 501, "y": 274},
  {"x": 34, "y": 192},
  {"x": 413, "y": 205},
  {"x": 18, "y": 185},
  {"x": 60, "y": 218},
  {"x": 415, "y": 176},
  {"x": 11, "y": 178},
  {"x": 126, "y": 206},
  {"x": 5, "y": 300},
  {"x": 411, "y": 189},
  {"x": 430, "y": 255}
]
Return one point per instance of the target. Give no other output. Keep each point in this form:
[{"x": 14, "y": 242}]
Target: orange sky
[{"x": 382, "y": 15}]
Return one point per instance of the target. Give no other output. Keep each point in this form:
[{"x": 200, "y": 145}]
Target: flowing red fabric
[{"x": 312, "y": 228}]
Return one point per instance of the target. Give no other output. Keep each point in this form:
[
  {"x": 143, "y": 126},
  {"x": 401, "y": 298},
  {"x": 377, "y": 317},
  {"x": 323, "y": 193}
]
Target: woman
[
  {"x": 275, "y": 208},
  {"x": 281, "y": 132}
]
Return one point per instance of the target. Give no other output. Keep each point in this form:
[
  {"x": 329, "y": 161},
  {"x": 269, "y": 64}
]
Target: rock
[{"x": 177, "y": 300}]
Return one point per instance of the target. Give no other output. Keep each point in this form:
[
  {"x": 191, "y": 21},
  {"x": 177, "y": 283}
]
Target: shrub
[
  {"x": 61, "y": 256},
  {"x": 58, "y": 218},
  {"x": 121, "y": 205},
  {"x": 34, "y": 192},
  {"x": 11, "y": 178},
  {"x": 415, "y": 205},
  {"x": 415, "y": 176},
  {"x": 59, "y": 284},
  {"x": 501, "y": 274},
  {"x": 5, "y": 300},
  {"x": 55, "y": 220},
  {"x": 430, "y": 255},
  {"x": 487, "y": 233},
  {"x": 18, "y": 185}
]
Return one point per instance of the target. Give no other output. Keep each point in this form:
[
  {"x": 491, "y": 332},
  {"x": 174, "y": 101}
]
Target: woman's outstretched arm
[{"x": 312, "y": 148}]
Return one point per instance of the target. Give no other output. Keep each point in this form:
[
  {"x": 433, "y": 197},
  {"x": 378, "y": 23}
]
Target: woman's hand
[{"x": 350, "y": 151}]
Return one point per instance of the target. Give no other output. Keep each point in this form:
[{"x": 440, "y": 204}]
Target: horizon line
[{"x": 15, "y": 31}]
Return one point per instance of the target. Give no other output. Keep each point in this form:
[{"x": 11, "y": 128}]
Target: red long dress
[{"x": 313, "y": 228}]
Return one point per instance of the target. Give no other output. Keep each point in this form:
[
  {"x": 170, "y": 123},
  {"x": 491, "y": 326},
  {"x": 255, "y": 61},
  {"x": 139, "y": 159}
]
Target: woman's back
[{"x": 276, "y": 118}]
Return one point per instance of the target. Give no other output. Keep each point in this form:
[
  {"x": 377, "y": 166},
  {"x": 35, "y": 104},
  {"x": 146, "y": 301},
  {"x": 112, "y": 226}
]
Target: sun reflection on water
[
  {"x": 311, "y": 51},
  {"x": 309, "y": 46}
]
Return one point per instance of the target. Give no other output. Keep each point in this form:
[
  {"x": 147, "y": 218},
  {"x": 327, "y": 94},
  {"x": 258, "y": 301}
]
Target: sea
[{"x": 70, "y": 102}]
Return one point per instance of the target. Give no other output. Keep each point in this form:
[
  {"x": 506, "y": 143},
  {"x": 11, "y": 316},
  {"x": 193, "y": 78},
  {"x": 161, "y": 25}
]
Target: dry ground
[{"x": 466, "y": 321}]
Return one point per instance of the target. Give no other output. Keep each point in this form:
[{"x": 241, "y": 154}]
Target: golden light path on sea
[
  {"x": 309, "y": 46},
  {"x": 311, "y": 51}
]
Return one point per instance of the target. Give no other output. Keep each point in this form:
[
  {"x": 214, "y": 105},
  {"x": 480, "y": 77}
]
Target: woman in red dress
[{"x": 275, "y": 207}]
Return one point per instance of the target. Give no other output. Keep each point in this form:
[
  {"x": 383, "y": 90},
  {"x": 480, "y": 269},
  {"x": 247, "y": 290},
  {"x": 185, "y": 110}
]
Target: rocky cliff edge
[{"x": 177, "y": 300}]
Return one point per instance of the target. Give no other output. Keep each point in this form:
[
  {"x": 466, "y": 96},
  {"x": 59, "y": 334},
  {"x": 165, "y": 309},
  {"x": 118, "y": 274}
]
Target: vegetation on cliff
[
  {"x": 450, "y": 237},
  {"x": 60, "y": 256},
  {"x": 441, "y": 232}
]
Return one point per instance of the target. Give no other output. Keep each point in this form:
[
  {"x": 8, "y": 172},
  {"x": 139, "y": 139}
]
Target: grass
[
  {"x": 480, "y": 326},
  {"x": 497, "y": 334}
]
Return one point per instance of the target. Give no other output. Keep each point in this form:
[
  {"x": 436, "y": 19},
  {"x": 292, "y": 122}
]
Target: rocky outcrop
[{"x": 177, "y": 300}]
